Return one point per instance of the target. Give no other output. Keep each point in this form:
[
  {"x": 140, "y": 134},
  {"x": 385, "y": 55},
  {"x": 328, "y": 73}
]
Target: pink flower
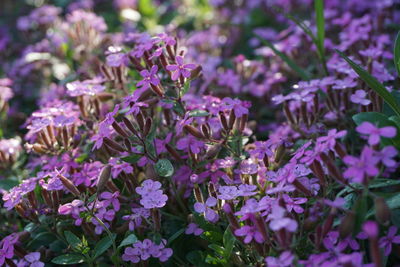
[
  {"x": 180, "y": 69},
  {"x": 250, "y": 233},
  {"x": 360, "y": 97},
  {"x": 375, "y": 133},
  {"x": 387, "y": 241},
  {"x": 360, "y": 167}
]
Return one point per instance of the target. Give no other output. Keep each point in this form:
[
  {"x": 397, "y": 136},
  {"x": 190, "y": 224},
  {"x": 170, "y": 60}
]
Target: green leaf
[
  {"x": 81, "y": 158},
  {"x": 394, "y": 201},
  {"x": 130, "y": 239},
  {"x": 229, "y": 242},
  {"x": 198, "y": 113},
  {"x": 164, "y": 168},
  {"x": 218, "y": 249},
  {"x": 397, "y": 53},
  {"x": 8, "y": 183},
  {"x": 296, "y": 68},
  {"x": 132, "y": 158},
  {"x": 72, "y": 239},
  {"x": 68, "y": 259},
  {"x": 101, "y": 246},
  {"x": 319, "y": 11},
  {"x": 373, "y": 83}
]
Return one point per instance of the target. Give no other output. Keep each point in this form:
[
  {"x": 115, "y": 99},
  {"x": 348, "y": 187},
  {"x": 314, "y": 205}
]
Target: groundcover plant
[{"x": 200, "y": 133}]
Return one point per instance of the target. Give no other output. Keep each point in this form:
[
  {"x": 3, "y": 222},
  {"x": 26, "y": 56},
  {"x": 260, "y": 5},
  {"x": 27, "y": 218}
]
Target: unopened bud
[
  {"x": 223, "y": 120},
  {"x": 69, "y": 185},
  {"x": 193, "y": 131},
  {"x": 104, "y": 177},
  {"x": 119, "y": 129},
  {"x": 104, "y": 96},
  {"x": 129, "y": 125},
  {"x": 232, "y": 119},
  {"x": 147, "y": 126},
  {"x": 113, "y": 145},
  {"x": 196, "y": 72},
  {"x": 382, "y": 210},
  {"x": 347, "y": 225}
]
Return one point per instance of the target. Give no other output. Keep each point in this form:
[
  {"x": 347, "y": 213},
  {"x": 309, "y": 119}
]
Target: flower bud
[
  {"x": 223, "y": 120},
  {"x": 104, "y": 96},
  {"x": 69, "y": 185},
  {"x": 147, "y": 126},
  {"x": 346, "y": 226},
  {"x": 382, "y": 210},
  {"x": 119, "y": 130},
  {"x": 113, "y": 145},
  {"x": 173, "y": 152},
  {"x": 104, "y": 177},
  {"x": 232, "y": 119},
  {"x": 129, "y": 125},
  {"x": 193, "y": 131},
  {"x": 196, "y": 72}
]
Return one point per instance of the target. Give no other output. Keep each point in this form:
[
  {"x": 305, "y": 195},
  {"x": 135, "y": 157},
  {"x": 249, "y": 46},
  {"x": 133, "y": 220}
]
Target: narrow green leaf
[
  {"x": 229, "y": 242},
  {"x": 198, "y": 113},
  {"x": 68, "y": 259},
  {"x": 130, "y": 239},
  {"x": 303, "y": 74},
  {"x": 164, "y": 168},
  {"x": 176, "y": 235},
  {"x": 373, "y": 83},
  {"x": 101, "y": 246},
  {"x": 319, "y": 12},
  {"x": 397, "y": 53}
]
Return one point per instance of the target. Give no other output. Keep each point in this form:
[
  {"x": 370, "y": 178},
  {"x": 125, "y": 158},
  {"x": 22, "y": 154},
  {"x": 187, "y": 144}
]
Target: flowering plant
[{"x": 137, "y": 133}]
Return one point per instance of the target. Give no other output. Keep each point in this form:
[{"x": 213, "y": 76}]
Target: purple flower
[
  {"x": 360, "y": 167},
  {"x": 263, "y": 149},
  {"x": 284, "y": 260},
  {"x": 359, "y": 97},
  {"x": 135, "y": 219},
  {"x": 387, "y": 241},
  {"x": 236, "y": 105},
  {"x": 386, "y": 156},
  {"x": 7, "y": 247},
  {"x": 152, "y": 196},
  {"x": 111, "y": 198},
  {"x": 180, "y": 69},
  {"x": 279, "y": 221},
  {"x": 206, "y": 208},
  {"x": 330, "y": 140},
  {"x": 228, "y": 192},
  {"x": 34, "y": 259},
  {"x": 250, "y": 233},
  {"x": 294, "y": 203},
  {"x": 150, "y": 78},
  {"x": 118, "y": 167},
  {"x": 190, "y": 142},
  {"x": 371, "y": 229},
  {"x": 193, "y": 229},
  {"x": 115, "y": 59},
  {"x": 375, "y": 133}
]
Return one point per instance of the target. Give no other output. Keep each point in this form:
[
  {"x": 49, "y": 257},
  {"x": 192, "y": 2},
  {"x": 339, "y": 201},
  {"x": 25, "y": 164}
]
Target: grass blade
[
  {"x": 320, "y": 40},
  {"x": 319, "y": 11},
  {"x": 397, "y": 53},
  {"x": 303, "y": 74},
  {"x": 373, "y": 83}
]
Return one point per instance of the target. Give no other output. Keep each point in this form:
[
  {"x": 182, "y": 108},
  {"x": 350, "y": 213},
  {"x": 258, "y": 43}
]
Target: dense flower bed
[{"x": 200, "y": 133}]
